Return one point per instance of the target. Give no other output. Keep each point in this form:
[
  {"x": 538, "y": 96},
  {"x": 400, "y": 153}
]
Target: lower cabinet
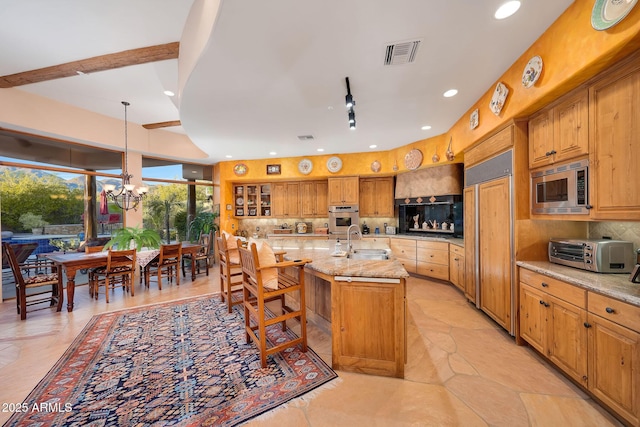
[
  {"x": 614, "y": 355},
  {"x": 594, "y": 339},
  {"x": 405, "y": 251},
  {"x": 456, "y": 266},
  {"x": 432, "y": 259}
]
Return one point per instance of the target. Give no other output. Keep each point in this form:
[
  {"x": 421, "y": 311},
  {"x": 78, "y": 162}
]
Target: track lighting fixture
[{"x": 349, "y": 102}]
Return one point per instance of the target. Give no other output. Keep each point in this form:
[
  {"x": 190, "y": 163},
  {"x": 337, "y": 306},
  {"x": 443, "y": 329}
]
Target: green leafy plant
[
  {"x": 65, "y": 245},
  {"x": 30, "y": 220},
  {"x": 141, "y": 237},
  {"x": 202, "y": 223}
]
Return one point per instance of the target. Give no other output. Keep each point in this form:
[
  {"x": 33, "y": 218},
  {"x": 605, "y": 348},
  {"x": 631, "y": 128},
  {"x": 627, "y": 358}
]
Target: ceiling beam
[
  {"x": 125, "y": 58},
  {"x": 162, "y": 124}
]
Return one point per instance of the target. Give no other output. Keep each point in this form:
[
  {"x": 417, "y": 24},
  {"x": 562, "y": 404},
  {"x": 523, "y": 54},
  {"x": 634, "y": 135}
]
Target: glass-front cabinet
[{"x": 252, "y": 200}]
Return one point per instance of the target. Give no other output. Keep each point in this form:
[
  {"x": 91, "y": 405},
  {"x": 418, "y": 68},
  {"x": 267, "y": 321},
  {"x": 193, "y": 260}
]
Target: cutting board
[{"x": 282, "y": 231}]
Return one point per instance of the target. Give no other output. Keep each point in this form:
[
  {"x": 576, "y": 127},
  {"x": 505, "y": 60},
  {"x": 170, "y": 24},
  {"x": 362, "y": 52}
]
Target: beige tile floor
[{"x": 462, "y": 369}]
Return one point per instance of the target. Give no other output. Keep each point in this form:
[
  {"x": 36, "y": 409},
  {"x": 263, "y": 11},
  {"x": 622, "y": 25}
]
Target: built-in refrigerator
[{"x": 489, "y": 238}]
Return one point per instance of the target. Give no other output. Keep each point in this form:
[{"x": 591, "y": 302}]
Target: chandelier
[{"x": 126, "y": 197}]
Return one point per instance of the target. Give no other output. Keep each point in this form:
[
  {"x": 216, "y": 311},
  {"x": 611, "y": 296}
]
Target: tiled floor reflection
[{"x": 462, "y": 369}]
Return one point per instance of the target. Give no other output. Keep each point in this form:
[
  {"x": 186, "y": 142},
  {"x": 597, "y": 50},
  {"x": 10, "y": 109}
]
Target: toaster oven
[{"x": 596, "y": 255}]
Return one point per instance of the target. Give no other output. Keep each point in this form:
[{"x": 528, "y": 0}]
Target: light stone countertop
[
  {"x": 319, "y": 251},
  {"x": 613, "y": 285}
]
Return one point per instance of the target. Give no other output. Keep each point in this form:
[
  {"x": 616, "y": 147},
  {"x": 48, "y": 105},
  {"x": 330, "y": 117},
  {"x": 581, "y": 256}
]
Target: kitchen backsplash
[
  {"x": 266, "y": 226},
  {"x": 629, "y": 231}
]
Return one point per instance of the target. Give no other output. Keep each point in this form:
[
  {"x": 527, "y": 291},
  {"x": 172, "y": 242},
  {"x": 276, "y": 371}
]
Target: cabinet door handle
[
  {"x": 609, "y": 310},
  {"x": 544, "y": 285},
  {"x": 553, "y": 152},
  {"x": 587, "y": 324},
  {"x": 544, "y": 303}
]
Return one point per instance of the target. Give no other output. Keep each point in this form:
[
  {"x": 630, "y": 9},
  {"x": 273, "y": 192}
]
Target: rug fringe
[{"x": 305, "y": 398}]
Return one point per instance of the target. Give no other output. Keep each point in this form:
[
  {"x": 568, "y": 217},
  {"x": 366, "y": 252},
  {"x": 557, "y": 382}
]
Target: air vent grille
[
  {"x": 401, "y": 53},
  {"x": 305, "y": 137}
]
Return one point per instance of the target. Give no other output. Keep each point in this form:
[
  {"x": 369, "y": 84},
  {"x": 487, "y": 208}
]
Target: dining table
[{"x": 71, "y": 262}]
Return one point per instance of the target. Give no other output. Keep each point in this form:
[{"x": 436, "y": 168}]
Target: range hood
[{"x": 434, "y": 185}]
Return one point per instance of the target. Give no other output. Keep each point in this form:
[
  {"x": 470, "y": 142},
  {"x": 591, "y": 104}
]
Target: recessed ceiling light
[
  {"x": 426, "y": 127},
  {"x": 320, "y": 149},
  {"x": 450, "y": 93},
  {"x": 373, "y": 146},
  {"x": 228, "y": 156},
  {"x": 169, "y": 93},
  {"x": 507, "y": 9},
  {"x": 273, "y": 153}
]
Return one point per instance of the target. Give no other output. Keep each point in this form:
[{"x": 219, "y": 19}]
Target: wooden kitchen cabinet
[
  {"x": 405, "y": 251},
  {"x": 252, "y": 200},
  {"x": 614, "y": 152},
  {"x": 344, "y": 190},
  {"x": 286, "y": 200},
  {"x": 552, "y": 318},
  {"x": 357, "y": 309},
  {"x": 614, "y": 355},
  {"x": 456, "y": 266},
  {"x": 376, "y": 197},
  {"x": 432, "y": 259},
  {"x": 313, "y": 196},
  {"x": 560, "y": 132}
]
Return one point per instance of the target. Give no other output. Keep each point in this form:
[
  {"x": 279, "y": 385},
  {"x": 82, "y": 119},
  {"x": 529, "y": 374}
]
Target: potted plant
[
  {"x": 141, "y": 237},
  {"x": 33, "y": 222},
  {"x": 65, "y": 245}
]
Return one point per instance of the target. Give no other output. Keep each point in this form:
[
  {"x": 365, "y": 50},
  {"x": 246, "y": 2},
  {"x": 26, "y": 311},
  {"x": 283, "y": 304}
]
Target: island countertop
[{"x": 322, "y": 260}]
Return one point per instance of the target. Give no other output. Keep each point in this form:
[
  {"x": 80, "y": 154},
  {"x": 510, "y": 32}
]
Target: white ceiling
[{"x": 275, "y": 70}]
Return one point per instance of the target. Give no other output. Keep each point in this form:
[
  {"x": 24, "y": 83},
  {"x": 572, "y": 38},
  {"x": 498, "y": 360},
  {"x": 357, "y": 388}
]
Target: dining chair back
[
  {"x": 120, "y": 269},
  {"x": 41, "y": 277},
  {"x": 230, "y": 274},
  {"x": 269, "y": 281},
  {"x": 201, "y": 258},
  {"x": 167, "y": 264}
]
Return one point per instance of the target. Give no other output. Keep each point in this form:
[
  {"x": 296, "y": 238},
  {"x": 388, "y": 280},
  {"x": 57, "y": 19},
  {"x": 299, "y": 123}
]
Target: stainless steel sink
[{"x": 370, "y": 254}]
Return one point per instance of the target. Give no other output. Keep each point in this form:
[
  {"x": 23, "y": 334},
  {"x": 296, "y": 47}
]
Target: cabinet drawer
[
  {"x": 433, "y": 256},
  {"x": 563, "y": 290},
  {"x": 617, "y": 311},
  {"x": 403, "y": 248},
  {"x": 408, "y": 264},
  {"x": 459, "y": 250},
  {"x": 428, "y": 244},
  {"x": 437, "y": 271}
]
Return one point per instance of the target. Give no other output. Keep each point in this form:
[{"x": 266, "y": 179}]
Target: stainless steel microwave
[{"x": 562, "y": 189}]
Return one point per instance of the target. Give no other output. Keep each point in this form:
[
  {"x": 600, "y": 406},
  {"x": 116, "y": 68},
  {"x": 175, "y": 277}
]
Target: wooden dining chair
[
  {"x": 166, "y": 265},
  {"x": 119, "y": 271},
  {"x": 90, "y": 273},
  {"x": 202, "y": 256},
  {"x": 230, "y": 273},
  {"x": 45, "y": 286},
  {"x": 263, "y": 280}
]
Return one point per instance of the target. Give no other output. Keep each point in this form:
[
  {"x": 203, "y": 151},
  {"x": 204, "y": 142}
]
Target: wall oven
[
  {"x": 563, "y": 189},
  {"x": 341, "y": 217}
]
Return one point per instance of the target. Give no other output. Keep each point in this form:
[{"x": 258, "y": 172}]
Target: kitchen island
[{"x": 362, "y": 301}]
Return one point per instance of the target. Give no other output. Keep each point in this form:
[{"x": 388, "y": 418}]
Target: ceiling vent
[
  {"x": 305, "y": 137},
  {"x": 401, "y": 53}
]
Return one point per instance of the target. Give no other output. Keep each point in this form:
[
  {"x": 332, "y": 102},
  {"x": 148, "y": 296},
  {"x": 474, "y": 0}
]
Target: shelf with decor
[{"x": 252, "y": 200}]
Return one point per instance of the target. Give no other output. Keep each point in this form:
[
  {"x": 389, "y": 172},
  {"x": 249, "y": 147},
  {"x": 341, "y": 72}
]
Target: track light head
[
  {"x": 349, "y": 101},
  {"x": 352, "y": 116},
  {"x": 352, "y": 125}
]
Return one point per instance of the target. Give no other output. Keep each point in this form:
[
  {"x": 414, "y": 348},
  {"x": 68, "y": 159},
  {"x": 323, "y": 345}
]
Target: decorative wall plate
[
  {"x": 376, "y": 166},
  {"x": 498, "y": 99},
  {"x": 240, "y": 169},
  {"x": 413, "y": 159},
  {"x": 305, "y": 166},
  {"x": 531, "y": 72},
  {"x": 607, "y": 13},
  {"x": 334, "y": 164},
  {"x": 474, "y": 119}
]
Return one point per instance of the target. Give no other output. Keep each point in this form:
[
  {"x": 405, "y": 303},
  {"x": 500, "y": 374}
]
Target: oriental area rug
[{"x": 180, "y": 363}]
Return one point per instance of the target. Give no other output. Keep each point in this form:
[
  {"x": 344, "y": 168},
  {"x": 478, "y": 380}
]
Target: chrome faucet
[{"x": 357, "y": 232}]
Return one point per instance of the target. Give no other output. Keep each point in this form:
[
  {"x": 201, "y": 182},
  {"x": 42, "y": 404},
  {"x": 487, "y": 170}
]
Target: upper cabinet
[
  {"x": 252, "y": 200},
  {"x": 313, "y": 195},
  {"x": 560, "y": 132},
  {"x": 344, "y": 190},
  {"x": 286, "y": 199},
  {"x": 615, "y": 143},
  {"x": 376, "y": 197}
]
